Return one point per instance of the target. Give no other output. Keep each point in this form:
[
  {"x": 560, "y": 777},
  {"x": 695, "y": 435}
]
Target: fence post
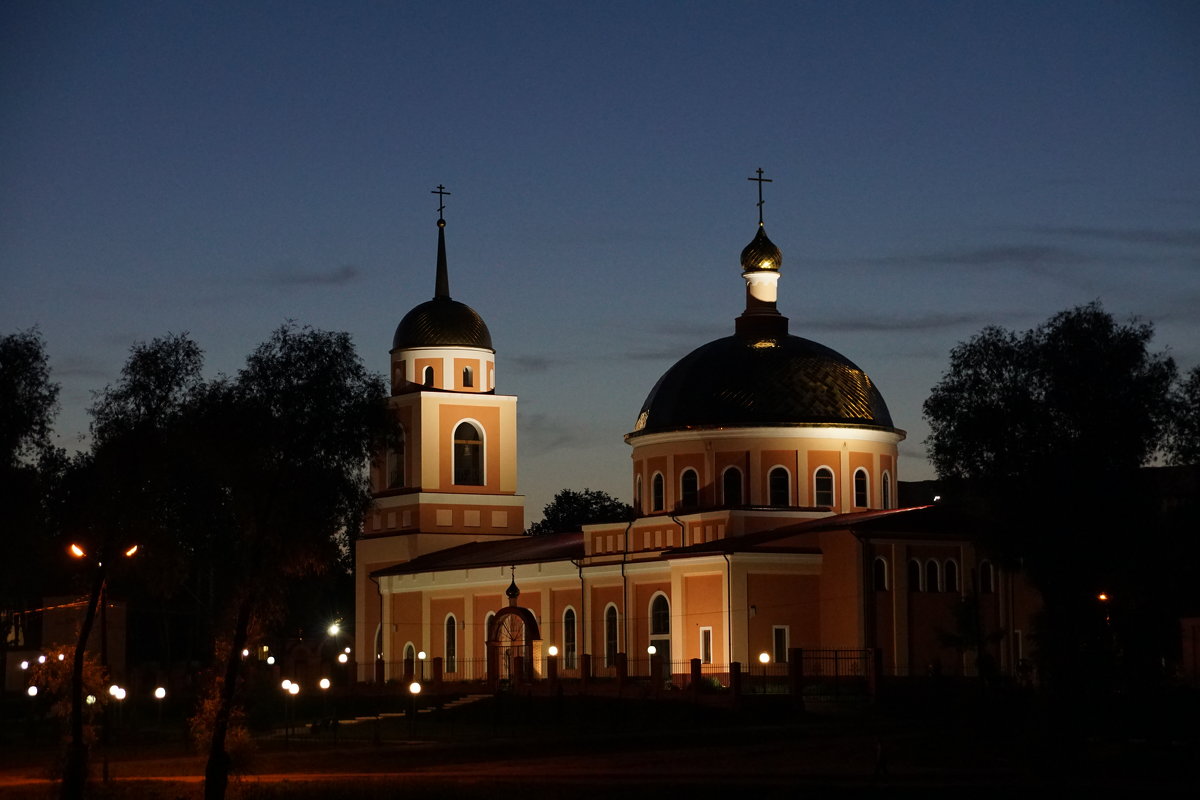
[
  {"x": 585, "y": 672},
  {"x": 876, "y": 671},
  {"x": 694, "y": 685},
  {"x": 656, "y": 674},
  {"x": 622, "y": 672},
  {"x": 796, "y": 676},
  {"x": 437, "y": 674},
  {"x": 735, "y": 680}
]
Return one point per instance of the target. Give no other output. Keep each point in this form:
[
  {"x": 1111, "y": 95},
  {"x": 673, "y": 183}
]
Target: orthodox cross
[
  {"x": 441, "y": 192},
  {"x": 760, "y": 180}
]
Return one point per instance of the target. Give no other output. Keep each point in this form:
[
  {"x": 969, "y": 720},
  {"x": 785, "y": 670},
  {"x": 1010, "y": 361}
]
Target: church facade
[{"x": 764, "y": 477}]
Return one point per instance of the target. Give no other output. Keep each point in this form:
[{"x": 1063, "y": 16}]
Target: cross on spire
[
  {"x": 441, "y": 192},
  {"x": 760, "y": 180}
]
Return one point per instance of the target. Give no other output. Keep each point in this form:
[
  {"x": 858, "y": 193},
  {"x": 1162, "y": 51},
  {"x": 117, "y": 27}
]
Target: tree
[
  {"x": 1042, "y": 430},
  {"x": 1078, "y": 390},
  {"x": 28, "y": 398},
  {"x": 29, "y": 465},
  {"x": 254, "y": 480},
  {"x": 1183, "y": 440},
  {"x": 571, "y": 510},
  {"x": 286, "y": 442}
]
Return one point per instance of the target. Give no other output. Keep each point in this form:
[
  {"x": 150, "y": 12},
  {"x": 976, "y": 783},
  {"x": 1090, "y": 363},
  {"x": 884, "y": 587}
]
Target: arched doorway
[{"x": 513, "y": 642}]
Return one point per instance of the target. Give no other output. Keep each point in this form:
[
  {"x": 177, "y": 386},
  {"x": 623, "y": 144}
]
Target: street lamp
[
  {"x": 764, "y": 658},
  {"x": 414, "y": 689},
  {"x": 75, "y": 768},
  {"x": 159, "y": 694},
  {"x": 421, "y": 659}
]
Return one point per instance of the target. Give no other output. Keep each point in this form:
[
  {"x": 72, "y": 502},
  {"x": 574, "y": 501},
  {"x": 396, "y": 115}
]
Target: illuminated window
[
  {"x": 823, "y": 487},
  {"x": 914, "y": 575},
  {"x": 689, "y": 489},
  {"x": 879, "y": 572},
  {"x": 951, "y": 576},
  {"x": 861, "y": 494},
  {"x": 886, "y": 486},
  {"x": 487, "y": 627},
  {"x": 779, "y": 493},
  {"x": 610, "y": 636},
  {"x": 731, "y": 487},
  {"x": 933, "y": 576},
  {"x": 450, "y": 661},
  {"x": 427, "y": 376},
  {"x": 468, "y": 378},
  {"x": 468, "y": 455},
  {"x": 656, "y": 489},
  {"x": 569, "y": 639}
]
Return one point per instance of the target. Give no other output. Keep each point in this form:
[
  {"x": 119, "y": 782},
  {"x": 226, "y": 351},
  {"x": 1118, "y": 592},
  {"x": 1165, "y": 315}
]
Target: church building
[{"x": 764, "y": 471}]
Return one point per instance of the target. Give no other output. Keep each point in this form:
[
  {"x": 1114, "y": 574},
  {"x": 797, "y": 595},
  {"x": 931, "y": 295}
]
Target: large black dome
[
  {"x": 762, "y": 381},
  {"x": 442, "y": 322}
]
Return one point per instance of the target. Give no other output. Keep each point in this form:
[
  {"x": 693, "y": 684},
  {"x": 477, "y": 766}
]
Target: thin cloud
[
  {"x": 529, "y": 364},
  {"x": 1170, "y": 238},
  {"x": 1027, "y": 255},
  {"x": 922, "y": 323},
  {"x": 338, "y": 276},
  {"x": 541, "y": 433}
]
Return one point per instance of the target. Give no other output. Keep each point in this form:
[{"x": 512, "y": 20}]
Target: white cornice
[{"x": 808, "y": 431}]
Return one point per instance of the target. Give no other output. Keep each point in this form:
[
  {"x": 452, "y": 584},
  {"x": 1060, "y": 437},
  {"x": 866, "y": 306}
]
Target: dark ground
[{"x": 606, "y": 747}]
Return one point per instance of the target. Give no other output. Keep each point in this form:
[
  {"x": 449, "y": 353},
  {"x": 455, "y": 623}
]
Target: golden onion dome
[{"x": 761, "y": 254}]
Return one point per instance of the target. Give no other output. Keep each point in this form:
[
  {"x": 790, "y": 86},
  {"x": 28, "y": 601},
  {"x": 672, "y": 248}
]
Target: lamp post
[
  {"x": 160, "y": 694},
  {"x": 421, "y": 662},
  {"x": 764, "y": 658},
  {"x": 75, "y": 768},
  {"x": 414, "y": 689}
]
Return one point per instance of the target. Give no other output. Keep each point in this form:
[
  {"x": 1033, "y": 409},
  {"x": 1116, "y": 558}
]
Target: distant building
[{"x": 764, "y": 477}]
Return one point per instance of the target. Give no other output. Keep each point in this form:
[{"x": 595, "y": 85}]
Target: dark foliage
[{"x": 571, "y": 510}]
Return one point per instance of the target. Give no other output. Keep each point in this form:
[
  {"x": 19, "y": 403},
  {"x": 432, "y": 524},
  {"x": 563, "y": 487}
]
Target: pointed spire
[
  {"x": 760, "y": 262},
  {"x": 442, "y": 283}
]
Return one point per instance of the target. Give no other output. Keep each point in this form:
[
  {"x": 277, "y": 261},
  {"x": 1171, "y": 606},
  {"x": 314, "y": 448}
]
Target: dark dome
[
  {"x": 749, "y": 381},
  {"x": 442, "y": 322}
]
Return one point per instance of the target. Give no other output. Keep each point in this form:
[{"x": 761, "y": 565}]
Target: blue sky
[{"x": 221, "y": 167}]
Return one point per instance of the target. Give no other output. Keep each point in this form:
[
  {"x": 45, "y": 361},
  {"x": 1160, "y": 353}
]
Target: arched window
[
  {"x": 487, "y": 627},
  {"x": 656, "y": 489},
  {"x": 468, "y": 378},
  {"x": 637, "y": 495},
  {"x": 468, "y": 455},
  {"x": 660, "y": 627},
  {"x": 569, "y": 638},
  {"x": 660, "y": 615},
  {"x": 987, "y": 578},
  {"x": 823, "y": 487},
  {"x": 862, "y": 495},
  {"x": 951, "y": 569},
  {"x": 731, "y": 487},
  {"x": 610, "y": 636},
  {"x": 410, "y": 661},
  {"x": 395, "y": 463},
  {"x": 427, "y": 376},
  {"x": 914, "y": 575},
  {"x": 879, "y": 574},
  {"x": 933, "y": 576},
  {"x": 449, "y": 663},
  {"x": 886, "y": 485},
  {"x": 689, "y": 489},
  {"x": 778, "y": 487}
]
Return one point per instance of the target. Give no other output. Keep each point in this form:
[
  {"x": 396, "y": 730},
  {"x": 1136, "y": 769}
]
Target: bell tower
[{"x": 451, "y": 477}]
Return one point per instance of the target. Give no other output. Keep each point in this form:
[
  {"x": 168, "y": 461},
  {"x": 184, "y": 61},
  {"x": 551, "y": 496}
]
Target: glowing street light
[
  {"x": 324, "y": 684},
  {"x": 651, "y": 650},
  {"x": 334, "y": 629},
  {"x": 414, "y": 689},
  {"x": 553, "y": 651},
  {"x": 764, "y": 658},
  {"x": 160, "y": 693},
  {"x": 32, "y": 691},
  {"x": 343, "y": 658}
]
